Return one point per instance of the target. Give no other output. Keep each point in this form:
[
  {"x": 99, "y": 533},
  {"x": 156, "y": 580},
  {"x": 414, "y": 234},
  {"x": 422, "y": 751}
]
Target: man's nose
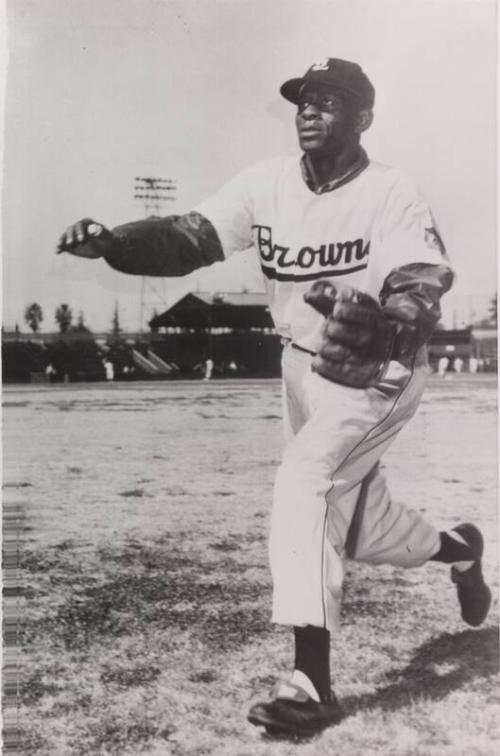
[{"x": 311, "y": 111}]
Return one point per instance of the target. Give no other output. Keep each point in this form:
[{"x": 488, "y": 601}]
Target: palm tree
[
  {"x": 63, "y": 316},
  {"x": 33, "y": 316}
]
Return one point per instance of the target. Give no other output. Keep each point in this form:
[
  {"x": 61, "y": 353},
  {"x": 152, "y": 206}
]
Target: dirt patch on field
[
  {"x": 136, "y": 587},
  {"x": 140, "y": 534}
]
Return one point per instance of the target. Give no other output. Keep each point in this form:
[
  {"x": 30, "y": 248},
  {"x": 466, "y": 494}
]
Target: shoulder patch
[{"x": 433, "y": 239}]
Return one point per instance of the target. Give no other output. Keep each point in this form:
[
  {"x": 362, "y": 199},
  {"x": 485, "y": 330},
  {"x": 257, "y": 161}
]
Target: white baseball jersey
[{"x": 354, "y": 235}]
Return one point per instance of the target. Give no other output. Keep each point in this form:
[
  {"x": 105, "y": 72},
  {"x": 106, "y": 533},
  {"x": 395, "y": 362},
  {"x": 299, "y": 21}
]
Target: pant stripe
[
  {"x": 334, "y": 473},
  {"x": 324, "y": 565},
  {"x": 376, "y": 426}
]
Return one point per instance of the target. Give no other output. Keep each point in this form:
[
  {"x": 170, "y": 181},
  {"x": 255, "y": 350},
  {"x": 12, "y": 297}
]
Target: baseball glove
[{"x": 357, "y": 336}]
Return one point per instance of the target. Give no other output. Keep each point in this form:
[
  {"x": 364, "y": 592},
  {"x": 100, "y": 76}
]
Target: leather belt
[{"x": 302, "y": 349}]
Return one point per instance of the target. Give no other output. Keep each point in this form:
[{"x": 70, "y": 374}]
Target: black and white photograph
[{"x": 249, "y": 378}]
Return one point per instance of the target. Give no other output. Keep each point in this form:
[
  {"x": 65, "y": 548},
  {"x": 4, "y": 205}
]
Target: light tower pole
[{"x": 152, "y": 192}]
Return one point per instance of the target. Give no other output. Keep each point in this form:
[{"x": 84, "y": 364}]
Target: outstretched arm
[{"x": 171, "y": 246}]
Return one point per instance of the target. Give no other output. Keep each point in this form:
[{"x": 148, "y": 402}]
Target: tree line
[
  {"x": 33, "y": 316},
  {"x": 63, "y": 315}
]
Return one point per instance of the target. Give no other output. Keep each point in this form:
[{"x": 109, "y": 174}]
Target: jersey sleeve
[
  {"x": 412, "y": 266},
  {"x": 406, "y": 231},
  {"x": 171, "y": 246},
  {"x": 231, "y": 211}
]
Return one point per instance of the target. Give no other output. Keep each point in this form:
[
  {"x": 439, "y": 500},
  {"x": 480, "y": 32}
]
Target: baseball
[{"x": 95, "y": 229}]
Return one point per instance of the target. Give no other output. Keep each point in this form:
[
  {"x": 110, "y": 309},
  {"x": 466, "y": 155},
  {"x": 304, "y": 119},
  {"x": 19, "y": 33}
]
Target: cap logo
[{"x": 322, "y": 65}]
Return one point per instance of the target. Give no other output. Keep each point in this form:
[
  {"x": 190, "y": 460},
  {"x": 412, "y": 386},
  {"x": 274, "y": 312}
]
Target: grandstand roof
[{"x": 229, "y": 310}]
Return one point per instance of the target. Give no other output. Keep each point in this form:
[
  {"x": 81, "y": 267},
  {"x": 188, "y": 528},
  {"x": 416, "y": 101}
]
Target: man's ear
[{"x": 363, "y": 121}]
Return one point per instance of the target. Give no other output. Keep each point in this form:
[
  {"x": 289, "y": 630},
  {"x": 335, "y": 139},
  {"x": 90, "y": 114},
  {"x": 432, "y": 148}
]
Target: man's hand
[{"x": 86, "y": 238}]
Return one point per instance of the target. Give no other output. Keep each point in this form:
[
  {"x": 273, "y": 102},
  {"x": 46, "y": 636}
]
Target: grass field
[{"x": 145, "y": 625}]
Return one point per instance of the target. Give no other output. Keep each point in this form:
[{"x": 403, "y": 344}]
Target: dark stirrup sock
[
  {"x": 452, "y": 550},
  {"x": 312, "y": 657}
]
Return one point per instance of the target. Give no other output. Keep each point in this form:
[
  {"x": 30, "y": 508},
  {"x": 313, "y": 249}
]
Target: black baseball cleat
[
  {"x": 292, "y": 713},
  {"x": 473, "y": 593}
]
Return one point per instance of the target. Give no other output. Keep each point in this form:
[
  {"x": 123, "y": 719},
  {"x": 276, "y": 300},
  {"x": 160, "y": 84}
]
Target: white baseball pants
[{"x": 336, "y": 436}]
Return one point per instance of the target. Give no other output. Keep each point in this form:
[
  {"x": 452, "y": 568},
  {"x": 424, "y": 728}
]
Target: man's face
[{"x": 325, "y": 121}]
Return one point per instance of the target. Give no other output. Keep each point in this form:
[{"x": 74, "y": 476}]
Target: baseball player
[{"x": 354, "y": 268}]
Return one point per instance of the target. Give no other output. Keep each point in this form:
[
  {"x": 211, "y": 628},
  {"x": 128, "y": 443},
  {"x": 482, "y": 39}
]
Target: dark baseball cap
[{"x": 335, "y": 73}]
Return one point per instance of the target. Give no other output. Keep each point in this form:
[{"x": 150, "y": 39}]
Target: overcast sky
[{"x": 100, "y": 91}]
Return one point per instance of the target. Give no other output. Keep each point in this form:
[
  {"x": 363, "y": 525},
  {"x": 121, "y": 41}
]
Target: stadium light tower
[{"x": 153, "y": 192}]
